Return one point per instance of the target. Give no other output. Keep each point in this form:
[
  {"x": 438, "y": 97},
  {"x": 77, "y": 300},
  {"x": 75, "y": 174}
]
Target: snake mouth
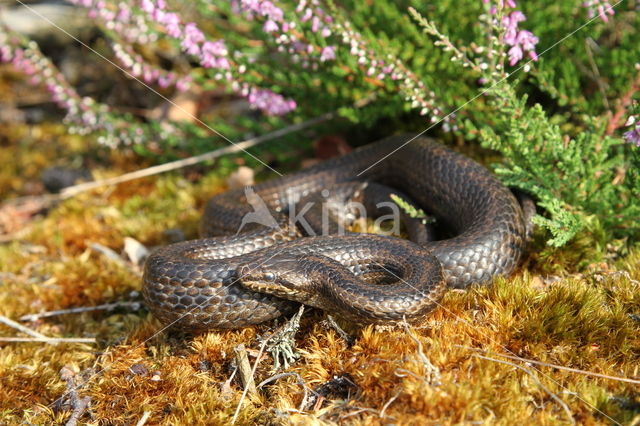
[
  {"x": 285, "y": 276},
  {"x": 275, "y": 275}
]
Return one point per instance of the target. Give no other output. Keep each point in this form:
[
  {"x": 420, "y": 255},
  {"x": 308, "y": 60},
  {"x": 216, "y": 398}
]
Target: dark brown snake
[{"x": 231, "y": 281}]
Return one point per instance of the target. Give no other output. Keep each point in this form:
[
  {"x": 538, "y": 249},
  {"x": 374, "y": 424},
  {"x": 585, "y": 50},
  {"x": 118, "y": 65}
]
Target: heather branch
[
  {"x": 214, "y": 55},
  {"x": 444, "y": 41},
  {"x": 386, "y": 66},
  {"x": 619, "y": 117},
  {"x": 84, "y": 114}
]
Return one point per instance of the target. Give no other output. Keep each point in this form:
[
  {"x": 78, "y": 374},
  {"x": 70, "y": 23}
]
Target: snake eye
[{"x": 270, "y": 276}]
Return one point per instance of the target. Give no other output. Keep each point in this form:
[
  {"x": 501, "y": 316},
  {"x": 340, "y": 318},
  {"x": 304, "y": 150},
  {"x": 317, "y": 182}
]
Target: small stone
[
  {"x": 136, "y": 252},
  {"x": 139, "y": 369},
  {"x": 56, "y": 178},
  {"x": 242, "y": 177}
]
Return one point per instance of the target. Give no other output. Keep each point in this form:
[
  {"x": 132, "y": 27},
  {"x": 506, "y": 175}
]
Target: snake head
[{"x": 281, "y": 276}]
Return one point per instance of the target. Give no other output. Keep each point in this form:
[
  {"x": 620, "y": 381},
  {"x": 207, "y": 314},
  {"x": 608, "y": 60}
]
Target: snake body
[{"x": 231, "y": 279}]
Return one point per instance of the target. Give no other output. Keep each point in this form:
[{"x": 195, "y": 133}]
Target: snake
[{"x": 254, "y": 263}]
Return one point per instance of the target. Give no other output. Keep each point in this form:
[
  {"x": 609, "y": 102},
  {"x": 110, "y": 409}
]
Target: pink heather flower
[
  {"x": 515, "y": 54},
  {"x": 171, "y": 22},
  {"x": 527, "y": 40},
  {"x": 520, "y": 41},
  {"x": 315, "y": 24},
  {"x": 270, "y": 26},
  {"x": 146, "y": 5},
  {"x": 217, "y": 48},
  {"x": 271, "y": 11},
  {"x": 308, "y": 13},
  {"x": 269, "y": 102},
  {"x": 517, "y": 16},
  {"x": 281, "y": 30},
  {"x": 139, "y": 68},
  {"x": 633, "y": 135},
  {"x": 224, "y": 63},
  {"x": 210, "y": 54},
  {"x": 164, "y": 82},
  {"x": 263, "y": 8},
  {"x": 31, "y": 62},
  {"x": 600, "y": 8},
  {"x": 117, "y": 16},
  {"x": 192, "y": 38},
  {"x": 510, "y": 23},
  {"x": 328, "y": 53},
  {"x": 124, "y": 13},
  {"x": 183, "y": 84},
  {"x": 214, "y": 54},
  {"x": 501, "y": 3}
]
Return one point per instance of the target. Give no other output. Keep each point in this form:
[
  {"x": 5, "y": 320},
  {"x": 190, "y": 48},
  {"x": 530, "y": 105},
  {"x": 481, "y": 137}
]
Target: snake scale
[{"x": 230, "y": 280}]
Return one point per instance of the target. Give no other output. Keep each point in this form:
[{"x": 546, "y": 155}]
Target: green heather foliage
[
  {"x": 556, "y": 123},
  {"x": 571, "y": 177}
]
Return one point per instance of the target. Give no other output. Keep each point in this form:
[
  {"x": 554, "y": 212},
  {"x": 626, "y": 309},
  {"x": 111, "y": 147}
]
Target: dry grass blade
[
  {"x": 246, "y": 374},
  {"x": 253, "y": 372},
  {"x": 50, "y": 340},
  {"x": 560, "y": 402},
  {"x": 106, "y": 306},
  {"x": 433, "y": 372},
  {"x": 301, "y": 382},
  {"x": 144, "y": 418},
  {"x": 559, "y": 367},
  {"x": 48, "y": 200},
  {"x": 26, "y": 330},
  {"x": 207, "y": 156},
  {"x": 388, "y": 403}
]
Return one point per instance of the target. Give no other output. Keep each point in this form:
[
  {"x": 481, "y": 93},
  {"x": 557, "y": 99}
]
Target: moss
[{"x": 555, "y": 309}]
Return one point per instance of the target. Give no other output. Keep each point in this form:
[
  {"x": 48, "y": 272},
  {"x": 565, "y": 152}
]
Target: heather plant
[{"x": 509, "y": 77}]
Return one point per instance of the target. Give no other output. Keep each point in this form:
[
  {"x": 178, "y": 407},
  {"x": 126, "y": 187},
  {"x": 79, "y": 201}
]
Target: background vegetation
[{"x": 560, "y": 122}]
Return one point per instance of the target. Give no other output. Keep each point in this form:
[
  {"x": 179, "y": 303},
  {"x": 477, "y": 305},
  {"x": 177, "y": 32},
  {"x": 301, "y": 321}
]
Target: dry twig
[
  {"x": 107, "y": 307},
  {"x": 207, "y": 156},
  {"x": 253, "y": 372},
  {"x": 244, "y": 367},
  {"x": 50, "y": 340},
  {"x": 345, "y": 336},
  {"x": 619, "y": 117},
  {"x": 26, "y": 330},
  {"x": 47, "y": 200}
]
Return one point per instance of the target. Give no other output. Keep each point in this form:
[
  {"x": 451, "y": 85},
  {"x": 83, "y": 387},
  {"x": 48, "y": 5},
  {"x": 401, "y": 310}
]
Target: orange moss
[{"x": 583, "y": 320}]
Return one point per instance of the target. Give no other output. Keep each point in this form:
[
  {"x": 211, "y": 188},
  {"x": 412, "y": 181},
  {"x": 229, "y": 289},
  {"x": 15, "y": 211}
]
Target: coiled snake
[{"x": 231, "y": 279}]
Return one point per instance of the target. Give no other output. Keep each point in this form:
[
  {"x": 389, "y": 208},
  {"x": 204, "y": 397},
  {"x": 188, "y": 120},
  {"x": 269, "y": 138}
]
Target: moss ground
[{"x": 566, "y": 307}]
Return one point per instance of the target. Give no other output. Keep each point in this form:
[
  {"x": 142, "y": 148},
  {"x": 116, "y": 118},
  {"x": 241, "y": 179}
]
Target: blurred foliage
[{"x": 556, "y": 123}]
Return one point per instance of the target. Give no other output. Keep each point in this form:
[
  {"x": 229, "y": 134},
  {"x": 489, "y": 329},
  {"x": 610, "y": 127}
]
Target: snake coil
[{"x": 231, "y": 279}]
